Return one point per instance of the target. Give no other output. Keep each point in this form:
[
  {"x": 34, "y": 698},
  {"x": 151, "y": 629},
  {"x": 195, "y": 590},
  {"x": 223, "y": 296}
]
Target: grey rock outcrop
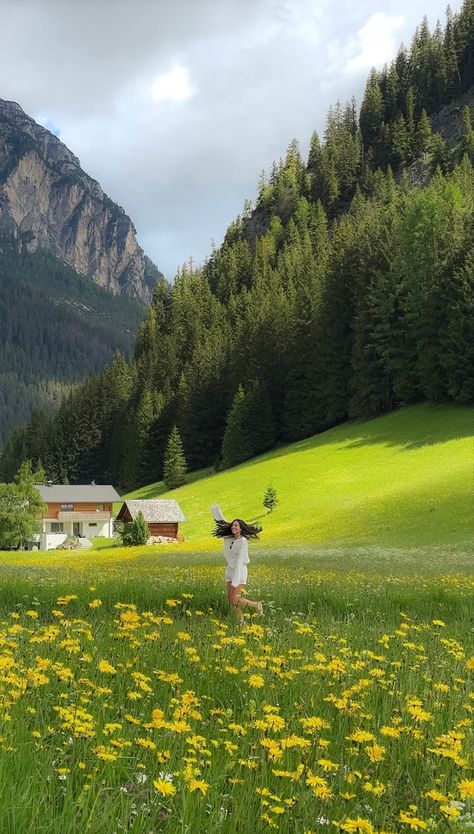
[{"x": 47, "y": 201}]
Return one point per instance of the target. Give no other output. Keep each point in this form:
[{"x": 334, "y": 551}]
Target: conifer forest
[{"x": 345, "y": 291}]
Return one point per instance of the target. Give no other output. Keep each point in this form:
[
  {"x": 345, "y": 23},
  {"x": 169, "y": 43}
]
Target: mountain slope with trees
[
  {"x": 346, "y": 291},
  {"x": 57, "y": 328}
]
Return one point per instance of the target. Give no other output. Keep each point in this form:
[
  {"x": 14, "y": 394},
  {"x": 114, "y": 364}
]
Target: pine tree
[
  {"x": 135, "y": 532},
  {"x": 371, "y": 112},
  {"x": 174, "y": 464},
  {"x": 467, "y": 134},
  {"x": 410, "y": 122},
  {"x": 440, "y": 155},
  {"x": 270, "y": 499},
  {"x": 236, "y": 444},
  {"x": 259, "y": 418},
  {"x": 400, "y": 141},
  {"x": 457, "y": 334},
  {"x": 423, "y": 134}
]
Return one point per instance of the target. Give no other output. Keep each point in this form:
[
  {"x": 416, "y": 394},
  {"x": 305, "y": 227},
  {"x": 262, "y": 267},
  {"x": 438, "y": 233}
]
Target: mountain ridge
[{"x": 48, "y": 202}]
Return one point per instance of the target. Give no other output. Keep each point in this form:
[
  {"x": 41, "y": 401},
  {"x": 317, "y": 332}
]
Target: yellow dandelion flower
[
  {"x": 105, "y": 666},
  {"x": 436, "y": 795},
  {"x": 327, "y": 765},
  {"x": 375, "y": 752},
  {"x": 357, "y": 826},
  {"x": 314, "y": 781},
  {"x": 390, "y": 732},
  {"x": 414, "y": 822},
  {"x": 164, "y": 787},
  {"x": 95, "y": 603},
  {"x": 419, "y": 714},
  {"x": 198, "y": 785},
  {"x": 360, "y": 736},
  {"x": 106, "y": 754},
  {"x": 466, "y": 789},
  {"x": 147, "y": 743},
  {"x": 449, "y": 812},
  {"x": 256, "y": 681}
]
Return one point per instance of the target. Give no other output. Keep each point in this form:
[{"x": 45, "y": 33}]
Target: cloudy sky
[{"x": 176, "y": 107}]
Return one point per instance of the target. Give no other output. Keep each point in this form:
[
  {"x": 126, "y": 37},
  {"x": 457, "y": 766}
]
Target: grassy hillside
[{"x": 401, "y": 480}]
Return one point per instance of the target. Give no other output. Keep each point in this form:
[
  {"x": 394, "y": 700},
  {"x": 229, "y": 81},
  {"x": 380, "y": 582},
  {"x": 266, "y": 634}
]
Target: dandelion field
[{"x": 132, "y": 701}]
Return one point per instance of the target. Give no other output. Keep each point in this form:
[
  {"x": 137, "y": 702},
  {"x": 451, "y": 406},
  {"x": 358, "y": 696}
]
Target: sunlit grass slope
[{"x": 404, "y": 479}]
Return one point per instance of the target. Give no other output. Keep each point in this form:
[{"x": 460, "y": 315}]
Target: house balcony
[{"x": 64, "y": 515}]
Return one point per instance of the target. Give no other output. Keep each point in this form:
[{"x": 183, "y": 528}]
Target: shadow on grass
[
  {"x": 415, "y": 427},
  {"x": 409, "y": 428}
]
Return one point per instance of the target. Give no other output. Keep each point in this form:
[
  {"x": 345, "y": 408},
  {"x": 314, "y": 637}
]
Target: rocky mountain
[{"x": 47, "y": 202}]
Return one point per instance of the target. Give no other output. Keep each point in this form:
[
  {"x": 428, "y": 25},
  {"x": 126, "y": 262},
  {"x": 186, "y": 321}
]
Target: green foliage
[
  {"x": 174, "y": 465},
  {"x": 20, "y": 506},
  {"x": 64, "y": 341},
  {"x": 135, "y": 532},
  {"x": 467, "y": 134},
  {"x": 236, "y": 445},
  {"x": 270, "y": 499}
]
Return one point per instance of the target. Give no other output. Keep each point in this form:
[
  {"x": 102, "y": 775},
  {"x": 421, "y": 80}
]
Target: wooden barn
[{"x": 162, "y": 515}]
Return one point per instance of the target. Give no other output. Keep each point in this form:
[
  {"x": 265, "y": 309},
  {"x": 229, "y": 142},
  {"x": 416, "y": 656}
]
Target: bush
[{"x": 135, "y": 532}]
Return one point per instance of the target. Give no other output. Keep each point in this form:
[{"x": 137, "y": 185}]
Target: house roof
[
  {"x": 77, "y": 494},
  {"x": 155, "y": 509}
]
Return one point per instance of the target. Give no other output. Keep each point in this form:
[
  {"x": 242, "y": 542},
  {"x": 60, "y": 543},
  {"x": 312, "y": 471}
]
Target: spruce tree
[
  {"x": 439, "y": 153},
  {"x": 236, "y": 444},
  {"x": 174, "y": 464},
  {"x": 270, "y": 499},
  {"x": 467, "y": 134},
  {"x": 259, "y": 417},
  {"x": 423, "y": 134},
  {"x": 135, "y": 532},
  {"x": 457, "y": 334}
]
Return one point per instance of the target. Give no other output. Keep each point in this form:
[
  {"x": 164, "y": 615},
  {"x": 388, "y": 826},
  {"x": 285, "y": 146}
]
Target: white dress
[{"x": 236, "y": 554}]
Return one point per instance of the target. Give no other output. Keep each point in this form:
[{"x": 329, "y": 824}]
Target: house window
[
  {"x": 100, "y": 508},
  {"x": 92, "y": 523},
  {"x": 57, "y": 527},
  {"x": 67, "y": 506}
]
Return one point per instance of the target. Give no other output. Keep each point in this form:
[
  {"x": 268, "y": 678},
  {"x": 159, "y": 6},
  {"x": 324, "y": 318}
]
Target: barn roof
[
  {"x": 155, "y": 510},
  {"x": 78, "y": 493}
]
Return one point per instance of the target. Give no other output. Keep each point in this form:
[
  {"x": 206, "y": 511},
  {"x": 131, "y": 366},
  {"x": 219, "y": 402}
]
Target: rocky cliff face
[{"x": 48, "y": 202}]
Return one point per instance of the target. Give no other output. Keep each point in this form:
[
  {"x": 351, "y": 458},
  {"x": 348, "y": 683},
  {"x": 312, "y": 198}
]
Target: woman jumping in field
[{"x": 236, "y": 554}]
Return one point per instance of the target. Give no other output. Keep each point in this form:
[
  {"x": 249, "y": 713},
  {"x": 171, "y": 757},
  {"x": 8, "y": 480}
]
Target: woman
[{"x": 236, "y": 554}]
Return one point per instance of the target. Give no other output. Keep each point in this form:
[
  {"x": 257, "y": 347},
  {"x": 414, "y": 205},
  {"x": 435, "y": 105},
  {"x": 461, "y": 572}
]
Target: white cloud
[
  {"x": 172, "y": 86},
  {"x": 376, "y": 42}
]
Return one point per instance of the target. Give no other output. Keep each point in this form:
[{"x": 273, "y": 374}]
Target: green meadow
[{"x": 131, "y": 699}]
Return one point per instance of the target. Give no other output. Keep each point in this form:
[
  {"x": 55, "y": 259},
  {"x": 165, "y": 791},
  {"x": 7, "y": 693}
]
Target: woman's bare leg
[
  {"x": 239, "y": 602},
  {"x": 228, "y": 586}
]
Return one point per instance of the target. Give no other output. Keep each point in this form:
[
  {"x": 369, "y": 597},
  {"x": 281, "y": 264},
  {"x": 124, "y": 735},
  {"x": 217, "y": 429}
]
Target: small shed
[{"x": 162, "y": 515}]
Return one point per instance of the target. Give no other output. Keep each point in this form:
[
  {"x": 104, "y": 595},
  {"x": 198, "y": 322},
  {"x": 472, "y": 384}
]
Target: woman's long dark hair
[{"x": 223, "y": 528}]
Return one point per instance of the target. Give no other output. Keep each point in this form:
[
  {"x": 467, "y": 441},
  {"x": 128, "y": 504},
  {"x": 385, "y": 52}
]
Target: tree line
[
  {"x": 345, "y": 291},
  {"x": 57, "y": 327}
]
